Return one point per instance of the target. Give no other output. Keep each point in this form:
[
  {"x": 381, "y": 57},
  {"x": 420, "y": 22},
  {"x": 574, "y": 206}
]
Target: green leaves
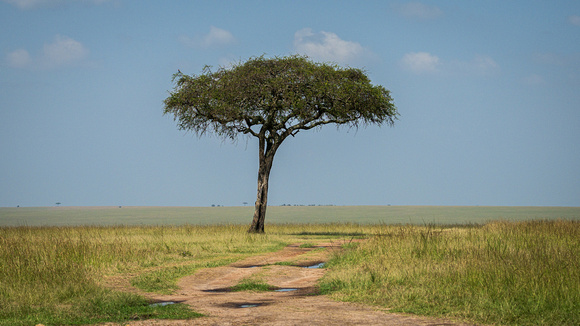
[
  {"x": 282, "y": 95},
  {"x": 272, "y": 99}
]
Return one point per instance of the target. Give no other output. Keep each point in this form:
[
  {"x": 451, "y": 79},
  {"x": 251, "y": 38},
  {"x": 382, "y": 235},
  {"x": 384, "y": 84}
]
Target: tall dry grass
[
  {"x": 519, "y": 273},
  {"x": 54, "y": 275}
]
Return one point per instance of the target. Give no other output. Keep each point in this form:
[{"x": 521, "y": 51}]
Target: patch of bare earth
[{"x": 207, "y": 291}]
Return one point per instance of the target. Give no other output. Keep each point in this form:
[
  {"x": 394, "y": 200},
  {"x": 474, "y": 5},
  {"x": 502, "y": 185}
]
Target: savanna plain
[{"x": 474, "y": 265}]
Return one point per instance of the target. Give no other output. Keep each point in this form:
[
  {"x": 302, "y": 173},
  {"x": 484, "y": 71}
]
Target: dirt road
[{"x": 207, "y": 292}]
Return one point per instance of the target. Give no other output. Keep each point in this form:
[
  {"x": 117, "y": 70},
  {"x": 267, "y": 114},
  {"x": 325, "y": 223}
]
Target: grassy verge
[
  {"x": 99, "y": 306},
  {"x": 252, "y": 285},
  {"x": 164, "y": 280},
  {"x": 524, "y": 273},
  {"x": 60, "y": 275}
]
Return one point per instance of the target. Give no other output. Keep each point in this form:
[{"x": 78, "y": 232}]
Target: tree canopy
[{"x": 273, "y": 98}]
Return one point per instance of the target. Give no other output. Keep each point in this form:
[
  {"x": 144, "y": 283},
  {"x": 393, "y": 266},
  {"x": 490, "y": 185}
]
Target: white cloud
[
  {"x": 417, "y": 10},
  {"x": 28, "y": 4},
  {"x": 424, "y": 62},
  {"x": 34, "y": 4},
  {"x": 574, "y": 20},
  {"x": 18, "y": 59},
  {"x": 228, "y": 61},
  {"x": 187, "y": 41},
  {"x": 327, "y": 46},
  {"x": 420, "y": 62},
  {"x": 215, "y": 38},
  {"x": 482, "y": 65},
  {"x": 63, "y": 51}
]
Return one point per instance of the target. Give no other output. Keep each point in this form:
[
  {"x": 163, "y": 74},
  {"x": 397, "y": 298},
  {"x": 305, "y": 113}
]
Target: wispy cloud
[
  {"x": 215, "y": 38},
  {"x": 418, "y": 10},
  {"x": 534, "y": 80},
  {"x": 574, "y": 20},
  {"x": 482, "y": 65},
  {"x": 18, "y": 59},
  {"x": 63, "y": 51},
  {"x": 427, "y": 63},
  {"x": 35, "y": 4},
  {"x": 570, "y": 61},
  {"x": 420, "y": 62},
  {"x": 328, "y": 46}
]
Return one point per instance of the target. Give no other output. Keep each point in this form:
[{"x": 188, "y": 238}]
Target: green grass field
[
  {"x": 500, "y": 273},
  {"x": 61, "y": 275},
  {"x": 495, "y": 265},
  {"x": 420, "y": 215}
]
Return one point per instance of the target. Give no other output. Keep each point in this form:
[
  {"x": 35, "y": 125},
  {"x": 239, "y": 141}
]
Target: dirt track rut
[{"x": 206, "y": 292}]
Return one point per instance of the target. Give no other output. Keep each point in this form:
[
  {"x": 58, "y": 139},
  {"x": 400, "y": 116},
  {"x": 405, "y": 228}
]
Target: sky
[{"x": 488, "y": 94}]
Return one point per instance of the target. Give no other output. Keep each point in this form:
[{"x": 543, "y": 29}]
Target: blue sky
[{"x": 488, "y": 92}]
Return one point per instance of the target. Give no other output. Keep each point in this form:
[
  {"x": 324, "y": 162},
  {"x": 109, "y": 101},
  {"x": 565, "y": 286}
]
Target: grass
[
  {"x": 139, "y": 216},
  {"x": 508, "y": 273},
  {"x": 56, "y": 273},
  {"x": 164, "y": 280},
  {"x": 64, "y": 275},
  {"x": 97, "y": 307},
  {"x": 250, "y": 284}
]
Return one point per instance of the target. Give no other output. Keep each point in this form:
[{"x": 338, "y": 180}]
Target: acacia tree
[{"x": 272, "y": 99}]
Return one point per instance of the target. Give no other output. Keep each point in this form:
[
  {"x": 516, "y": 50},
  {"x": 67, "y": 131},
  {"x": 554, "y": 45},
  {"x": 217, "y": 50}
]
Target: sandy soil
[{"x": 207, "y": 292}]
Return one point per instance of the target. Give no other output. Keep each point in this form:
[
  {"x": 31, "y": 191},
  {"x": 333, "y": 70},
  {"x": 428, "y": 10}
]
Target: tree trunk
[
  {"x": 267, "y": 149},
  {"x": 261, "y": 200}
]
